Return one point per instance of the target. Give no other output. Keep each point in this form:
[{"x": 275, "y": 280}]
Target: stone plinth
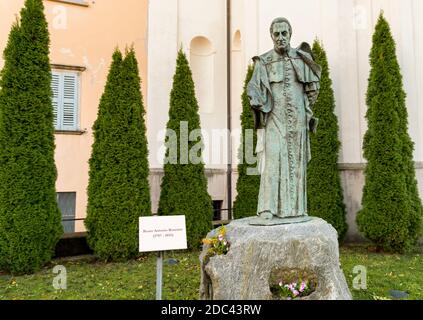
[{"x": 256, "y": 251}]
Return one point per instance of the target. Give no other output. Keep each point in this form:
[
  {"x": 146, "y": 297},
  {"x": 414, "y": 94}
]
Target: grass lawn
[
  {"x": 91, "y": 279},
  {"x": 385, "y": 272}
]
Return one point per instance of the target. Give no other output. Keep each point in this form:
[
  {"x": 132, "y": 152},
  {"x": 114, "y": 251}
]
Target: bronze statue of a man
[{"x": 284, "y": 86}]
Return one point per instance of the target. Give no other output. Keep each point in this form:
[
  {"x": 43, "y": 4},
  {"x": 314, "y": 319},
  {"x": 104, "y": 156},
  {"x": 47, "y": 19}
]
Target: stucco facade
[{"x": 86, "y": 35}]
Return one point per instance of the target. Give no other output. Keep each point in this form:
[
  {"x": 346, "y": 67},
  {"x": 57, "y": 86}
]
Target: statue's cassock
[{"x": 281, "y": 92}]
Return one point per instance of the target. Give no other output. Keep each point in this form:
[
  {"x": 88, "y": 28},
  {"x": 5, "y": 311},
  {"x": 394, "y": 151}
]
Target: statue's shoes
[{"x": 266, "y": 215}]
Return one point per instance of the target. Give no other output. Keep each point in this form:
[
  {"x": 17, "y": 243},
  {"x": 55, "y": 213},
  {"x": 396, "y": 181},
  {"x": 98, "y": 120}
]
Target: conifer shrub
[
  {"x": 391, "y": 214},
  {"x": 184, "y": 184},
  {"x": 30, "y": 220},
  {"x": 118, "y": 190},
  {"x": 248, "y": 184},
  {"x": 324, "y": 190}
]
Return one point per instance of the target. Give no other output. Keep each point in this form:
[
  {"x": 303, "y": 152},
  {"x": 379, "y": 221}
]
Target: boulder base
[{"x": 255, "y": 253}]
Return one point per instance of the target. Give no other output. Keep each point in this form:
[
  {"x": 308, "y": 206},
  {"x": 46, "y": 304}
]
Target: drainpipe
[{"x": 229, "y": 111}]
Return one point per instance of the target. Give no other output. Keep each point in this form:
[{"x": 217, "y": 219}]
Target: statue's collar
[{"x": 273, "y": 55}]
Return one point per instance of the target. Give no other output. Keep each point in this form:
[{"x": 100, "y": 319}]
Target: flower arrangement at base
[
  {"x": 294, "y": 290},
  {"x": 289, "y": 284},
  {"x": 218, "y": 244}
]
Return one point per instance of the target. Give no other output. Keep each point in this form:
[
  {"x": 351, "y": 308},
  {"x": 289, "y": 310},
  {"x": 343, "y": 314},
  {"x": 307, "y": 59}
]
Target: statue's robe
[{"x": 278, "y": 95}]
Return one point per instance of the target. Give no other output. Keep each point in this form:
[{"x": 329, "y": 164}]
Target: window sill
[
  {"x": 75, "y": 2},
  {"x": 73, "y": 133}
]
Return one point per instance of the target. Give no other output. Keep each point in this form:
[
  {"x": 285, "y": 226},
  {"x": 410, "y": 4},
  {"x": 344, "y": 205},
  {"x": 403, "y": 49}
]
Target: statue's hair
[{"x": 280, "y": 20}]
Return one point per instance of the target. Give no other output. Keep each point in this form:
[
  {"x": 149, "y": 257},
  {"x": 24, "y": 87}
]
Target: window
[
  {"x": 67, "y": 202},
  {"x": 65, "y": 87},
  {"x": 217, "y": 210}
]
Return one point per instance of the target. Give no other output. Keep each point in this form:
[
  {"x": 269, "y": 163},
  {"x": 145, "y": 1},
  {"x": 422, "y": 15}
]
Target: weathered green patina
[{"x": 284, "y": 86}]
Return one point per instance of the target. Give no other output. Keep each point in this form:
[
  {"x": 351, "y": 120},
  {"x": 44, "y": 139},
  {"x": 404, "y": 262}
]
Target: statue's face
[{"x": 281, "y": 36}]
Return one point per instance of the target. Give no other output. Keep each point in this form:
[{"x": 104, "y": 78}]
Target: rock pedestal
[{"x": 257, "y": 251}]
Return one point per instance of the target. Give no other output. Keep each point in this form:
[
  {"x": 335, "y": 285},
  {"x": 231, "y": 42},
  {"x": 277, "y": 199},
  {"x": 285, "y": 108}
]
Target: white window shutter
[
  {"x": 70, "y": 100},
  {"x": 55, "y": 87}
]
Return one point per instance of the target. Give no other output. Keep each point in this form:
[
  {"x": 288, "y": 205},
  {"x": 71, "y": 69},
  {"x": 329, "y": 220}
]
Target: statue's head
[{"x": 281, "y": 32}]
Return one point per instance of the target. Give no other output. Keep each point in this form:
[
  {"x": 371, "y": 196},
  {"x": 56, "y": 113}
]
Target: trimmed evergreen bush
[
  {"x": 30, "y": 220},
  {"x": 118, "y": 190},
  {"x": 391, "y": 216},
  {"x": 184, "y": 185},
  {"x": 324, "y": 190},
  {"x": 247, "y": 186}
]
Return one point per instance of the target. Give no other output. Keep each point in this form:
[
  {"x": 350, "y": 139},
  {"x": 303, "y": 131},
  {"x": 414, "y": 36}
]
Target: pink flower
[
  {"x": 220, "y": 237},
  {"x": 296, "y": 293},
  {"x": 303, "y": 286}
]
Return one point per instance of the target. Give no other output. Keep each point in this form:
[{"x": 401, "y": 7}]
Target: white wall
[
  {"x": 162, "y": 52},
  {"x": 174, "y": 24},
  {"x": 346, "y": 29},
  {"x": 344, "y": 26}
]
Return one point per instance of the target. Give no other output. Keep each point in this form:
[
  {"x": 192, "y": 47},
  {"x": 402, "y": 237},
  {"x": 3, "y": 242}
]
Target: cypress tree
[
  {"x": 248, "y": 185},
  {"x": 324, "y": 190},
  {"x": 118, "y": 190},
  {"x": 391, "y": 216},
  {"x": 184, "y": 185},
  {"x": 30, "y": 221}
]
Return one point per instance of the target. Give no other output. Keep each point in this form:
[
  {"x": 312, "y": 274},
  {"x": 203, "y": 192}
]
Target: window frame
[{"x": 60, "y": 127}]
